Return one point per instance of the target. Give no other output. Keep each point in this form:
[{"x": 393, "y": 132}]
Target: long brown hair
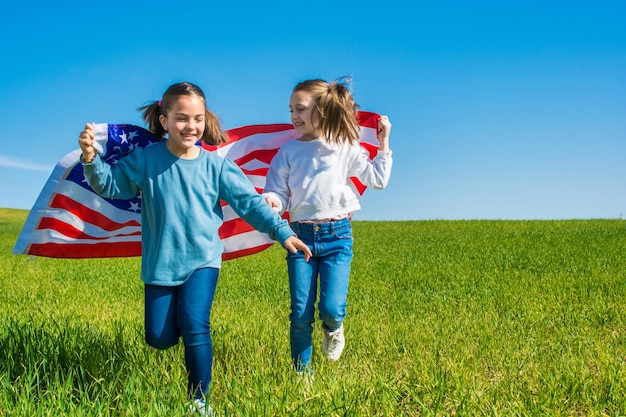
[
  {"x": 213, "y": 133},
  {"x": 335, "y": 108}
]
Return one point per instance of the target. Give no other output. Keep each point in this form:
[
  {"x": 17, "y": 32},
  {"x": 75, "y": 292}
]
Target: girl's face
[
  {"x": 185, "y": 123},
  {"x": 303, "y": 115}
]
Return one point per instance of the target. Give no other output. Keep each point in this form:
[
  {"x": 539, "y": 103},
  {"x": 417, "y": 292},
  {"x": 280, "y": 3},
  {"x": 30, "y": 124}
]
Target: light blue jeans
[
  {"x": 331, "y": 244},
  {"x": 185, "y": 310}
]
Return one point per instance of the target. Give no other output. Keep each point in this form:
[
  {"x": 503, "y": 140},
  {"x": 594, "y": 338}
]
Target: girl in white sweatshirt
[{"x": 311, "y": 178}]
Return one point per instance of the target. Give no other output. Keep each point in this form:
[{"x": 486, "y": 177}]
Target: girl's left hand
[
  {"x": 274, "y": 203},
  {"x": 292, "y": 244}
]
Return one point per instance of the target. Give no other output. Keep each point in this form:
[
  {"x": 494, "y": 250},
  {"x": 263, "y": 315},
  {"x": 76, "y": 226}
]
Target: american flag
[{"x": 69, "y": 220}]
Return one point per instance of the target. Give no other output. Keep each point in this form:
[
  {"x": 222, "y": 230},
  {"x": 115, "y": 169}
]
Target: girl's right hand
[
  {"x": 293, "y": 244},
  {"x": 86, "y": 140}
]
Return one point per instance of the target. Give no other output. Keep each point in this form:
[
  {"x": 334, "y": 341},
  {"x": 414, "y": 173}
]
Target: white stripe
[
  {"x": 228, "y": 213},
  {"x": 88, "y": 228},
  {"x": 368, "y": 135},
  {"x": 261, "y": 141},
  {"x": 96, "y": 203},
  {"x": 253, "y": 164},
  {"x": 52, "y": 236},
  {"x": 245, "y": 241},
  {"x": 257, "y": 181},
  {"x": 101, "y": 137}
]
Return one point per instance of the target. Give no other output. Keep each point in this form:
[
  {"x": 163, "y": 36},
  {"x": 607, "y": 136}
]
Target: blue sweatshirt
[{"x": 181, "y": 211}]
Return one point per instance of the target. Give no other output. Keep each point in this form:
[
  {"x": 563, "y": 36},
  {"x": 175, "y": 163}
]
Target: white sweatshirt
[{"x": 311, "y": 179}]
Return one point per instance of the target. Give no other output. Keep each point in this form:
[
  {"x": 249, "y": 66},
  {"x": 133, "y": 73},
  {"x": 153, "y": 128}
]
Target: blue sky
[{"x": 500, "y": 110}]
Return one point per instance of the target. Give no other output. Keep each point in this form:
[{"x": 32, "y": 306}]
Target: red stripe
[
  {"x": 234, "y": 227},
  {"x": 88, "y": 215},
  {"x": 112, "y": 250},
  {"x": 359, "y": 185},
  {"x": 371, "y": 149},
  {"x": 263, "y": 155},
  {"x": 262, "y": 172},
  {"x": 368, "y": 119},
  {"x": 82, "y": 251},
  {"x": 72, "y": 232},
  {"x": 244, "y": 131}
]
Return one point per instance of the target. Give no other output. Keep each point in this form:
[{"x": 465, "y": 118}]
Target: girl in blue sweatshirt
[{"x": 181, "y": 185}]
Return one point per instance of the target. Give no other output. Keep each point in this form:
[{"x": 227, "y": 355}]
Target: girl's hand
[
  {"x": 292, "y": 244},
  {"x": 86, "y": 140},
  {"x": 274, "y": 203},
  {"x": 384, "y": 128}
]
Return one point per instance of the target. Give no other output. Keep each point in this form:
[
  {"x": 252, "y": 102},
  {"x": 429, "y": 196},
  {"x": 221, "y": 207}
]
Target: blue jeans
[
  {"x": 185, "y": 310},
  {"x": 331, "y": 244}
]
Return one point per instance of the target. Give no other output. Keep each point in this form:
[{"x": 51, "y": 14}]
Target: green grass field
[{"x": 472, "y": 318}]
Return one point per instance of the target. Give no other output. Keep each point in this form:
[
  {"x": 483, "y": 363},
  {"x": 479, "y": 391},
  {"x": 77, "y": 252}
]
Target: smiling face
[
  {"x": 304, "y": 116},
  {"x": 185, "y": 123}
]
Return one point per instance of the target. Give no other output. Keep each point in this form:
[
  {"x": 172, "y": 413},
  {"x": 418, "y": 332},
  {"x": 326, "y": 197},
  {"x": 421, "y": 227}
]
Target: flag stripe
[
  {"x": 85, "y": 197},
  {"x": 234, "y": 227},
  {"x": 56, "y": 236},
  {"x": 72, "y": 232},
  {"x": 244, "y": 131},
  {"x": 234, "y": 254},
  {"x": 83, "y": 251},
  {"x": 86, "y": 214}
]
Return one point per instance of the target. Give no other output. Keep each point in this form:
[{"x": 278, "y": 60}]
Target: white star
[
  {"x": 123, "y": 137},
  {"x": 131, "y": 135},
  {"x": 134, "y": 207}
]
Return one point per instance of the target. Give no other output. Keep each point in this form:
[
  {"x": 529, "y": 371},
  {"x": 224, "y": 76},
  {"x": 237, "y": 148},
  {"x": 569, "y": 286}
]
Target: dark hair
[
  {"x": 213, "y": 133},
  {"x": 335, "y": 108}
]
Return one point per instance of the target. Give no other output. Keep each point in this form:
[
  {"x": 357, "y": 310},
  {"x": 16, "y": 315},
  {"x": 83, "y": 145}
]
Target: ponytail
[
  {"x": 151, "y": 113},
  {"x": 339, "y": 113},
  {"x": 336, "y": 109},
  {"x": 213, "y": 133}
]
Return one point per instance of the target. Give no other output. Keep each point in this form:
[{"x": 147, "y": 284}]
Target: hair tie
[{"x": 159, "y": 103}]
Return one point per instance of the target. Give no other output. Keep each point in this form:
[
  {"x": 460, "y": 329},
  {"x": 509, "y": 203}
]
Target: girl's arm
[
  {"x": 238, "y": 192},
  {"x": 276, "y": 190},
  {"x": 375, "y": 173}
]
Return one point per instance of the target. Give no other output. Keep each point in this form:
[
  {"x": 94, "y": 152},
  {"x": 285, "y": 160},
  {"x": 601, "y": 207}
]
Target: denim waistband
[{"x": 328, "y": 227}]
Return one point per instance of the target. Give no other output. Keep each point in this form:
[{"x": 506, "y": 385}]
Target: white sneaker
[
  {"x": 200, "y": 408},
  {"x": 333, "y": 343}
]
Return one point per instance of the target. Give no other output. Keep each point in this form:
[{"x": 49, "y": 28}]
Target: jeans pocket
[{"x": 345, "y": 233}]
